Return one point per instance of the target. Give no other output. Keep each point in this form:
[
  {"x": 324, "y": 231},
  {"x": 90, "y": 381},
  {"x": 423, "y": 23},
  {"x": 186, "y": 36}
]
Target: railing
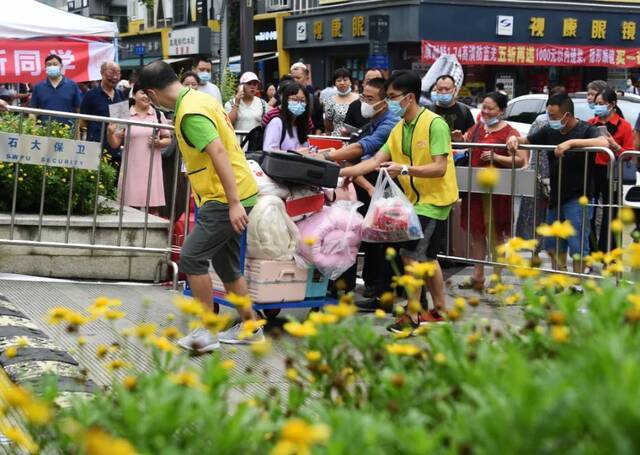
[{"x": 93, "y": 151}]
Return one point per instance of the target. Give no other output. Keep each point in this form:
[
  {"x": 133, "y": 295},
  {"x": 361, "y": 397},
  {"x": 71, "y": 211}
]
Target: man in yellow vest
[
  {"x": 418, "y": 154},
  {"x": 224, "y": 190}
]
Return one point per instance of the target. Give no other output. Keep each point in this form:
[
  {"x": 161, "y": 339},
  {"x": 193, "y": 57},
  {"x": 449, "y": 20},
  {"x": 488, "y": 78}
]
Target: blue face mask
[
  {"x": 204, "y": 76},
  {"x": 395, "y": 108},
  {"x": 491, "y": 121},
  {"x": 601, "y": 111},
  {"x": 444, "y": 99},
  {"x": 297, "y": 108},
  {"x": 591, "y": 104},
  {"x": 556, "y": 124},
  {"x": 53, "y": 71}
]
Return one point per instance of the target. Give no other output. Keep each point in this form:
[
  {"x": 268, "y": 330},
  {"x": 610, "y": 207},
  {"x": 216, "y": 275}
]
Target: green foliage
[
  {"x": 58, "y": 178},
  {"x": 229, "y": 85}
]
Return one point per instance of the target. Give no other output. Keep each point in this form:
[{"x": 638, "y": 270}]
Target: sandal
[{"x": 472, "y": 283}]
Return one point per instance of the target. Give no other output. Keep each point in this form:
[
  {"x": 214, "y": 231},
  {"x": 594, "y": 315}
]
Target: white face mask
[{"x": 368, "y": 110}]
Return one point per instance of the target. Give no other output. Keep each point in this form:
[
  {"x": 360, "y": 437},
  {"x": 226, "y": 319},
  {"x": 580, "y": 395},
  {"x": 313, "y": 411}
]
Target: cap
[
  {"x": 123, "y": 83},
  {"x": 248, "y": 77}
]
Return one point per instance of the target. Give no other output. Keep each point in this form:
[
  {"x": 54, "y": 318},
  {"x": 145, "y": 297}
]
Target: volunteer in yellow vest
[
  {"x": 418, "y": 153},
  {"x": 224, "y": 190}
]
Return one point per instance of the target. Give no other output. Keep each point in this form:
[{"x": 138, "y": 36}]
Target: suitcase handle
[
  {"x": 295, "y": 152},
  {"x": 284, "y": 273}
]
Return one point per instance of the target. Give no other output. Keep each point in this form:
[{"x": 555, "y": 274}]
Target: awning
[
  {"x": 258, "y": 56},
  {"x": 133, "y": 63},
  {"x": 176, "y": 60}
]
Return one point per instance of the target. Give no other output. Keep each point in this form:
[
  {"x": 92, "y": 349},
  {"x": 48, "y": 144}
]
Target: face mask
[
  {"x": 601, "y": 111},
  {"x": 395, "y": 108},
  {"x": 556, "y": 124},
  {"x": 53, "y": 71},
  {"x": 345, "y": 93},
  {"x": 297, "y": 108},
  {"x": 444, "y": 100},
  {"x": 367, "y": 110},
  {"x": 491, "y": 121},
  {"x": 204, "y": 76},
  {"x": 591, "y": 104}
]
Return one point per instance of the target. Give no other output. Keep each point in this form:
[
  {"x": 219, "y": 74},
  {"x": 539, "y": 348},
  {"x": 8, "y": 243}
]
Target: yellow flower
[
  {"x": 11, "y": 352},
  {"x": 187, "y": 379},
  {"x": 380, "y": 314},
  {"x": 560, "y": 333},
  {"x": 488, "y": 177},
  {"x": 422, "y": 269},
  {"x": 297, "y": 437},
  {"x": 516, "y": 244},
  {"x": 626, "y": 215},
  {"x": 250, "y": 326},
  {"x": 313, "y": 356},
  {"x": 292, "y": 374},
  {"x": 261, "y": 349},
  {"x": 403, "y": 349},
  {"x": 82, "y": 341},
  {"x": 306, "y": 329},
  {"x": 454, "y": 314},
  {"x": 117, "y": 364},
  {"x": 310, "y": 241},
  {"x": 558, "y": 229},
  {"x": 386, "y": 299},
  {"x": 409, "y": 282},
  {"x": 390, "y": 253},
  {"x": 22, "y": 342},
  {"x": 112, "y": 315},
  {"x": 171, "y": 317},
  {"x": 214, "y": 322},
  {"x": 57, "y": 315},
  {"x": 513, "y": 299},
  {"x": 474, "y": 301},
  {"x": 583, "y": 200},
  {"x": 526, "y": 272},
  {"x": 241, "y": 302},
  {"x": 164, "y": 344},
  {"x": 98, "y": 442},
  {"x": 460, "y": 303},
  {"x": 171, "y": 333},
  {"x": 145, "y": 330},
  {"x": 21, "y": 439},
  {"x": 633, "y": 256},
  {"x": 557, "y": 318},
  {"x": 617, "y": 225},
  {"x": 130, "y": 382},
  {"x": 38, "y": 412},
  {"x": 440, "y": 358},
  {"x": 228, "y": 364},
  {"x": 190, "y": 307},
  {"x": 557, "y": 280},
  {"x": 341, "y": 310},
  {"x": 474, "y": 338},
  {"x": 414, "y": 306},
  {"x": 101, "y": 351}
]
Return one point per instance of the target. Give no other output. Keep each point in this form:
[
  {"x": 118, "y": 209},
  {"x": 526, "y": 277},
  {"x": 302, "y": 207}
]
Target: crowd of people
[{"x": 390, "y": 129}]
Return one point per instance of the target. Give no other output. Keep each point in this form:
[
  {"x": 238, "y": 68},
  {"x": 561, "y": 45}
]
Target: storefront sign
[
  {"x": 318, "y": 30},
  {"x": 23, "y": 60},
  {"x": 27, "y": 149},
  {"x": 336, "y": 28},
  {"x": 152, "y": 43},
  {"x": 480, "y": 53},
  {"x": 509, "y": 83},
  {"x": 189, "y": 41},
  {"x": 301, "y": 31},
  {"x": 504, "y": 26},
  {"x": 357, "y": 27}
]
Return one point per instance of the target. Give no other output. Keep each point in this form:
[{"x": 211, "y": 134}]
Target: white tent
[{"x": 23, "y": 19}]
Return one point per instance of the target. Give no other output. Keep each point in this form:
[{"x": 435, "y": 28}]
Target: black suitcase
[{"x": 293, "y": 167}]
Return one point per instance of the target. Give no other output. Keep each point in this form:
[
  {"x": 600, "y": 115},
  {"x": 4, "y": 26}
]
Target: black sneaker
[
  {"x": 404, "y": 324},
  {"x": 369, "y": 292},
  {"x": 369, "y": 306}
]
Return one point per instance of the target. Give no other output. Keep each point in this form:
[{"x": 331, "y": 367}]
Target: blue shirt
[
  {"x": 66, "y": 97},
  {"x": 96, "y": 102},
  {"x": 376, "y": 134}
]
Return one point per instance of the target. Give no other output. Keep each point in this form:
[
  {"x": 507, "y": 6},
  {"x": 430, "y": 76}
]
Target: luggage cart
[{"x": 270, "y": 310}]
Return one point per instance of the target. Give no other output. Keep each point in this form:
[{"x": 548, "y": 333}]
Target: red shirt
[
  {"x": 480, "y": 135},
  {"x": 623, "y": 136}
]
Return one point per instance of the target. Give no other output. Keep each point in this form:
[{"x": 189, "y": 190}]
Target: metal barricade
[
  {"x": 94, "y": 152},
  {"x": 521, "y": 182}
]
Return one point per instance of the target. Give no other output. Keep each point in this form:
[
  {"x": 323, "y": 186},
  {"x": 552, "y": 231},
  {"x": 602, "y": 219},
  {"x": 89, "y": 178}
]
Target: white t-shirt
[
  {"x": 211, "y": 90},
  {"x": 249, "y": 116}
]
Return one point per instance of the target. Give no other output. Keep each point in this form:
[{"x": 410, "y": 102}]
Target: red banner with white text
[
  {"x": 480, "y": 53},
  {"x": 23, "y": 60}
]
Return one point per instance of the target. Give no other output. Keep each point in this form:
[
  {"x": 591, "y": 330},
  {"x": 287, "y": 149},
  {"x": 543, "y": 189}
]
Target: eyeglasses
[
  {"x": 368, "y": 100},
  {"x": 399, "y": 96}
]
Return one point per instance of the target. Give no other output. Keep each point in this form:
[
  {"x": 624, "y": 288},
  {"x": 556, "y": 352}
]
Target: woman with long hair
[
  {"x": 491, "y": 129},
  {"x": 619, "y": 132},
  {"x": 289, "y": 130}
]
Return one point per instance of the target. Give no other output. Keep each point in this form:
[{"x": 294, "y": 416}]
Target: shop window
[
  {"x": 525, "y": 111},
  {"x": 179, "y": 12},
  {"x": 275, "y": 5}
]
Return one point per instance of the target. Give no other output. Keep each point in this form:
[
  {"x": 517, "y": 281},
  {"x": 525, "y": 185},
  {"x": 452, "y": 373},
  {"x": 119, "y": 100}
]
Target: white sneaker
[
  {"x": 200, "y": 340},
  {"x": 232, "y": 336}
]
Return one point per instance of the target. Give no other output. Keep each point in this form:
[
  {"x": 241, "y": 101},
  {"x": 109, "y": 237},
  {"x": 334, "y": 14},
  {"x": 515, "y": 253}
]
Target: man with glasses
[
  {"x": 444, "y": 96},
  {"x": 96, "y": 102},
  {"x": 418, "y": 154}
]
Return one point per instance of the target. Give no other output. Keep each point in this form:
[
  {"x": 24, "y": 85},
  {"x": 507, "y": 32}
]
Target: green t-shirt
[
  {"x": 201, "y": 131},
  {"x": 439, "y": 144}
]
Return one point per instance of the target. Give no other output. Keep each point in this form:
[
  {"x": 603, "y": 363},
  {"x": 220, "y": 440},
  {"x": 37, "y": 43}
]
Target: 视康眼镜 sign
[{"x": 480, "y": 53}]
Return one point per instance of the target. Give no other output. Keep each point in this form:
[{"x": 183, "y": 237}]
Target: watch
[{"x": 405, "y": 170}]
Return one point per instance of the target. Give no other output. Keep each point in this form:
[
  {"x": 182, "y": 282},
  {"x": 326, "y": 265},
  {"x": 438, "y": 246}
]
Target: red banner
[
  {"x": 479, "y": 53},
  {"x": 23, "y": 60}
]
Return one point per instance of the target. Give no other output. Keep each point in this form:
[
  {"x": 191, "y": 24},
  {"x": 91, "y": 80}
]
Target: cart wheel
[
  {"x": 314, "y": 309},
  {"x": 271, "y": 314}
]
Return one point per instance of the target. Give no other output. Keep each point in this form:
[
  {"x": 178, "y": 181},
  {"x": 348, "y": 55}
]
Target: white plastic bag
[
  {"x": 266, "y": 185},
  {"x": 271, "y": 233},
  {"x": 391, "y": 217}
]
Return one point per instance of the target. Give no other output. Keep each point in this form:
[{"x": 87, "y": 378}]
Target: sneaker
[
  {"x": 369, "y": 306},
  {"x": 200, "y": 340},
  {"x": 402, "y": 324},
  {"x": 431, "y": 316},
  {"x": 369, "y": 292},
  {"x": 232, "y": 336}
]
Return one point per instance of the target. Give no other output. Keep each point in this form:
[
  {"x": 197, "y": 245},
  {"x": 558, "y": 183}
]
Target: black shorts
[{"x": 428, "y": 247}]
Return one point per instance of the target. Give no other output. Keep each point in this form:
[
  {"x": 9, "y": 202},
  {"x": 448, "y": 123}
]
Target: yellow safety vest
[
  {"x": 205, "y": 183},
  {"x": 439, "y": 191}
]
